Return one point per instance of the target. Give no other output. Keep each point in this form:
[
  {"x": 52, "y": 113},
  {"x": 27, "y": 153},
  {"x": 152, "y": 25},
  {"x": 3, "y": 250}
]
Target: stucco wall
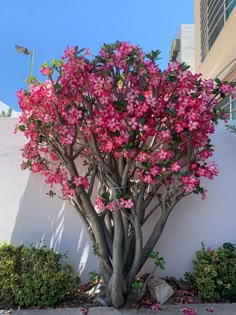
[{"x": 27, "y": 214}]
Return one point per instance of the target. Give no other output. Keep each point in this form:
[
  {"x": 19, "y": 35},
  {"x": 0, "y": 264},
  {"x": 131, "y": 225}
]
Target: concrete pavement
[{"x": 218, "y": 309}]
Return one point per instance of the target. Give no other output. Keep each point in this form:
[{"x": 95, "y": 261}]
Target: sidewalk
[{"x": 219, "y": 309}]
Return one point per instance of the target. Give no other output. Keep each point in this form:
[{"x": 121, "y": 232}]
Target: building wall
[
  {"x": 221, "y": 59},
  {"x": 28, "y": 215},
  {"x": 186, "y": 36}
]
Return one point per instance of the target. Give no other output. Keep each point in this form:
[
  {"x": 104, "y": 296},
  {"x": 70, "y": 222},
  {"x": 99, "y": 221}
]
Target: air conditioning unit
[
  {"x": 175, "y": 48},
  {"x": 176, "y": 45}
]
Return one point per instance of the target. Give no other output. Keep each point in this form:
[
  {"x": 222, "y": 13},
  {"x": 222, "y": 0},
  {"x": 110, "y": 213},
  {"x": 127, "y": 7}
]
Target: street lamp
[{"x": 25, "y": 51}]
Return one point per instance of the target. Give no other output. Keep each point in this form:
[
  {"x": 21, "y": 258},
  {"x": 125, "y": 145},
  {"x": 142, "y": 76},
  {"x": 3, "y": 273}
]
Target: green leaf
[
  {"x": 216, "y": 91},
  {"x": 22, "y": 127},
  {"x": 199, "y": 189},
  {"x": 121, "y": 105},
  {"x": 171, "y": 77},
  {"x": 142, "y": 120},
  {"x": 153, "y": 55},
  {"x": 141, "y": 98},
  {"x": 131, "y": 60},
  {"x": 152, "y": 255},
  {"x": 58, "y": 88},
  {"x": 217, "y": 81},
  {"x": 57, "y": 63},
  {"x": 45, "y": 64},
  {"x": 177, "y": 139},
  {"x": 194, "y": 95},
  {"x": 222, "y": 95},
  {"x": 171, "y": 111},
  {"x": 129, "y": 145},
  {"x": 41, "y": 139},
  {"x": 119, "y": 195},
  {"x": 184, "y": 66},
  {"x": 105, "y": 196}
]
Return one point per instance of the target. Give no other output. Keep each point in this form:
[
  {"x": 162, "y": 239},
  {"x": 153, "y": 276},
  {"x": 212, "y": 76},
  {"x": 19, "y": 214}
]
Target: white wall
[{"x": 27, "y": 214}]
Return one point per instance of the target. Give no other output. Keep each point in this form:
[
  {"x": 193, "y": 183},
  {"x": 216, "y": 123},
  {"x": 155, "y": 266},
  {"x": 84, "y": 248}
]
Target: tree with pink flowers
[{"x": 126, "y": 142}]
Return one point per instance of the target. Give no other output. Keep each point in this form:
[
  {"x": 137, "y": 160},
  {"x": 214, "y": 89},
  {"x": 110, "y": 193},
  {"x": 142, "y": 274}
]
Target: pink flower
[
  {"x": 210, "y": 250},
  {"x": 85, "y": 310},
  {"x": 142, "y": 156},
  {"x": 164, "y": 154},
  {"x": 211, "y": 170},
  {"x": 225, "y": 88},
  {"x": 108, "y": 146},
  {"x": 155, "y": 170},
  {"x": 81, "y": 181},
  {"x": 188, "y": 311},
  {"x": 99, "y": 204},
  {"x": 193, "y": 125},
  {"x": 128, "y": 204},
  {"x": 155, "y": 307},
  {"x": 69, "y": 52},
  {"x": 175, "y": 167},
  {"x": 147, "y": 179},
  {"x": 179, "y": 127},
  {"x": 111, "y": 206},
  {"x": 165, "y": 135},
  {"x": 46, "y": 71},
  {"x": 67, "y": 191},
  {"x": 23, "y": 166},
  {"x": 37, "y": 167},
  {"x": 204, "y": 196},
  {"x": 190, "y": 183}
]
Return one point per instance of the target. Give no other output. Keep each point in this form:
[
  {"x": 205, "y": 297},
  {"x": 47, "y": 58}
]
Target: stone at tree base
[
  {"x": 99, "y": 294},
  {"x": 160, "y": 290},
  {"x": 98, "y": 290},
  {"x": 183, "y": 285}
]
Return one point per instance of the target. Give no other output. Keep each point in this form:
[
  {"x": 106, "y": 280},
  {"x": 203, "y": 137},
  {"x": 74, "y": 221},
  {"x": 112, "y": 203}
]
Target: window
[
  {"x": 213, "y": 15},
  {"x": 233, "y": 109},
  {"x": 229, "y": 7},
  {"x": 229, "y": 105}
]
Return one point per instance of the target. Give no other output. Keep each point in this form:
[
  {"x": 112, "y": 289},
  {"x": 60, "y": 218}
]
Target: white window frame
[{"x": 230, "y": 104}]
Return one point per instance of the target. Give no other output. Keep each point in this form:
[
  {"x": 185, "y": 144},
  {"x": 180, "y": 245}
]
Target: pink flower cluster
[
  {"x": 122, "y": 101},
  {"x": 101, "y": 205},
  {"x": 81, "y": 181},
  {"x": 127, "y": 204}
]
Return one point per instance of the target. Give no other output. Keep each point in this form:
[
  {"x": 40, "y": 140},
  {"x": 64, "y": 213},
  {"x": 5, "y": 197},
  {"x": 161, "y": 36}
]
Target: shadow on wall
[{"x": 56, "y": 223}]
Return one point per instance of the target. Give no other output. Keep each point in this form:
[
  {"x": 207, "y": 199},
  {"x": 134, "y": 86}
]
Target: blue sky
[{"x": 48, "y": 26}]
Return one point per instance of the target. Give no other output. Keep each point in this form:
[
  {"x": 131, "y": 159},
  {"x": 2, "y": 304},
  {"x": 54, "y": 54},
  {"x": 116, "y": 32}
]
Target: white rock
[
  {"x": 98, "y": 289},
  {"x": 160, "y": 290}
]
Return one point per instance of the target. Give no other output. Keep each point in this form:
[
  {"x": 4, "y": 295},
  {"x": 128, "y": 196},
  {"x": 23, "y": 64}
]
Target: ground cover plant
[
  {"x": 214, "y": 274},
  {"x": 31, "y": 276},
  {"x": 143, "y": 136}
]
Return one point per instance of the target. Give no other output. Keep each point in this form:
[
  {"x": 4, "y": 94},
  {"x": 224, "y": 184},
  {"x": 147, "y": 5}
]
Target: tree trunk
[{"x": 118, "y": 286}]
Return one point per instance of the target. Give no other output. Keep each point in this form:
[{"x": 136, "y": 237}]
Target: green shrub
[
  {"x": 214, "y": 274},
  {"x": 31, "y": 276}
]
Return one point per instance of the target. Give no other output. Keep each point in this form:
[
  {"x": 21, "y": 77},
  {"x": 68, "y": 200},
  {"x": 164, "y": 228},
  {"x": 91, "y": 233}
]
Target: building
[
  {"x": 182, "y": 48},
  {"x": 215, "y": 43},
  {"x": 5, "y": 108}
]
